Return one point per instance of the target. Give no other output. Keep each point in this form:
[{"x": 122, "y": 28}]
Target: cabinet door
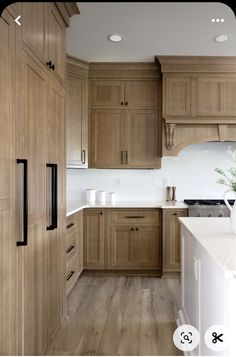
[
  {"x": 171, "y": 239},
  {"x": 106, "y": 93},
  {"x": 141, "y": 93},
  {"x": 55, "y": 155},
  {"x": 177, "y": 96},
  {"x": 32, "y": 144},
  {"x": 147, "y": 251},
  {"x": 56, "y": 42},
  {"x": 94, "y": 236},
  {"x": 33, "y": 28},
  {"x": 122, "y": 247},
  {"x": 106, "y": 138},
  {"x": 8, "y": 265},
  {"x": 142, "y": 138},
  {"x": 228, "y": 95},
  {"x": 209, "y": 97},
  {"x": 77, "y": 121}
]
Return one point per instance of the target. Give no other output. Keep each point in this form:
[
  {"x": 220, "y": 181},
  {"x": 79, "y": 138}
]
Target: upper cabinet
[
  {"x": 198, "y": 100},
  {"x": 77, "y": 113},
  {"x": 55, "y": 55},
  {"x": 43, "y": 33},
  {"x": 124, "y": 94},
  {"x": 125, "y": 126}
]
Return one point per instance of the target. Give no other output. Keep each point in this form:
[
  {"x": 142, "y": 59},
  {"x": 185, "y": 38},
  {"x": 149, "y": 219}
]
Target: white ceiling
[{"x": 150, "y": 29}]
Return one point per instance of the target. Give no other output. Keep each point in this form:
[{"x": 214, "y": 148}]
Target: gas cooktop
[{"x": 210, "y": 202}]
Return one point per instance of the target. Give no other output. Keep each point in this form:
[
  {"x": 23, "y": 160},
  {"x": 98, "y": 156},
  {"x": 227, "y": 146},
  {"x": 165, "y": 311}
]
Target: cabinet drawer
[
  {"x": 135, "y": 217},
  {"x": 71, "y": 224},
  {"x": 71, "y": 273},
  {"x": 71, "y": 245}
]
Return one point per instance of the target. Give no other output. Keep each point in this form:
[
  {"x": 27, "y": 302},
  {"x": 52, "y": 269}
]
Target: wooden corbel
[{"x": 169, "y": 128}]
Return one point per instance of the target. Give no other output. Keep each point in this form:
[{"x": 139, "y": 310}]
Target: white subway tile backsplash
[{"x": 192, "y": 171}]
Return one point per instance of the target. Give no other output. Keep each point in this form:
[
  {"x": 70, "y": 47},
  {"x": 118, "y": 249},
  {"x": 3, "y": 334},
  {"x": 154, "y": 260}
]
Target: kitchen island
[{"x": 208, "y": 279}]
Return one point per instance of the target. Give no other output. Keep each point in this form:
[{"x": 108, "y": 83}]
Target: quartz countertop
[
  {"x": 216, "y": 236},
  {"x": 76, "y": 206}
]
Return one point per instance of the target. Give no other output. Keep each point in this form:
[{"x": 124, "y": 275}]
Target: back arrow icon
[{"x": 17, "y": 20}]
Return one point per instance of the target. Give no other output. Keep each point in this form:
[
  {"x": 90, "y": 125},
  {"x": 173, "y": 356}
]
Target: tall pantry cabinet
[{"x": 33, "y": 158}]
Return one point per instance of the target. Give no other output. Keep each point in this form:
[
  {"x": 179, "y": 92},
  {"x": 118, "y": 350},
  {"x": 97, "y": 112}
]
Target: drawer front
[
  {"x": 71, "y": 245},
  {"x": 135, "y": 217},
  {"x": 71, "y": 224},
  {"x": 71, "y": 273}
]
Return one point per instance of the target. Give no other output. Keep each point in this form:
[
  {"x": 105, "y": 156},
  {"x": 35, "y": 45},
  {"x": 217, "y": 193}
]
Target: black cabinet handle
[
  {"x": 101, "y": 213},
  {"x": 83, "y": 156},
  {"x": 25, "y": 202},
  {"x": 121, "y": 103},
  {"x": 69, "y": 275},
  {"x": 126, "y": 103},
  {"x": 134, "y": 216},
  {"x": 175, "y": 214},
  {"x": 70, "y": 249},
  {"x": 70, "y": 225},
  {"x": 132, "y": 229},
  {"x": 50, "y": 65},
  {"x": 126, "y": 157},
  {"x": 53, "y": 224},
  {"x": 137, "y": 229}
]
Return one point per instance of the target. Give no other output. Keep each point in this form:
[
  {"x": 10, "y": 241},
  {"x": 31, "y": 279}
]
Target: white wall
[{"x": 192, "y": 171}]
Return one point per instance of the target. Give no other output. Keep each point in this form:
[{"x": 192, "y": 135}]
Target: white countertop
[
  {"x": 75, "y": 206},
  {"x": 216, "y": 236}
]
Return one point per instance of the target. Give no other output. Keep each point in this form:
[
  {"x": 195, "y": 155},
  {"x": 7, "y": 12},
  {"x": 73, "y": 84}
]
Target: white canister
[
  {"x": 90, "y": 195},
  {"x": 112, "y": 197},
  {"x": 101, "y": 197}
]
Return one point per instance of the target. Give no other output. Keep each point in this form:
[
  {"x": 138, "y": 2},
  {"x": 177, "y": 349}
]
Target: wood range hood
[{"x": 198, "y": 100}]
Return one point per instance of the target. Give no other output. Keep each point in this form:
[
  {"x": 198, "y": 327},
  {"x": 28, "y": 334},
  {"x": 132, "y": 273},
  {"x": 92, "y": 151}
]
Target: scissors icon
[{"x": 216, "y": 337}]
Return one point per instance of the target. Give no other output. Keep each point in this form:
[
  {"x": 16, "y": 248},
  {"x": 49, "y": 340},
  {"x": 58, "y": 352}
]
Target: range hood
[{"x": 198, "y": 100}]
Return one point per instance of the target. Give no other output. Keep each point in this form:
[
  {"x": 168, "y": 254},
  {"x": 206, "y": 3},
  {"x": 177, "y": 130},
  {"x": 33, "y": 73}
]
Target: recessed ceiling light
[
  {"x": 116, "y": 37},
  {"x": 221, "y": 38}
]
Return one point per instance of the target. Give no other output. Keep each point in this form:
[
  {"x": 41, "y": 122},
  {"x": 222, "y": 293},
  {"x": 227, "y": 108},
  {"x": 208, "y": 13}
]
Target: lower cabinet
[
  {"x": 73, "y": 249},
  {"x": 94, "y": 239},
  {"x": 116, "y": 239},
  {"x": 171, "y": 240}
]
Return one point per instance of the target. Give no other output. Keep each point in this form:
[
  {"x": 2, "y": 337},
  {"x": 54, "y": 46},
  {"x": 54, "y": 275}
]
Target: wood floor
[{"x": 120, "y": 316}]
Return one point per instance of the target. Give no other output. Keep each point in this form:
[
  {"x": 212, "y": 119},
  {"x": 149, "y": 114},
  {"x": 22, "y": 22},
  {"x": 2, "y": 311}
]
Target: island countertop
[
  {"x": 75, "y": 206},
  {"x": 216, "y": 236}
]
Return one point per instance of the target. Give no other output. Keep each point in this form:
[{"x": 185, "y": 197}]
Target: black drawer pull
[
  {"x": 70, "y": 275},
  {"x": 175, "y": 214},
  {"x": 137, "y": 229},
  {"x": 134, "y": 216},
  {"x": 54, "y": 198},
  {"x": 70, "y": 249},
  {"x": 70, "y": 225}
]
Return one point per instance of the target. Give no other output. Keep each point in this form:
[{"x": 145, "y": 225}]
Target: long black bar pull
[
  {"x": 25, "y": 202},
  {"x": 53, "y": 224}
]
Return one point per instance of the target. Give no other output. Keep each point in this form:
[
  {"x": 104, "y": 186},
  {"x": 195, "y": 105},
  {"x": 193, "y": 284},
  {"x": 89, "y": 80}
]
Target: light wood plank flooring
[{"x": 119, "y": 316}]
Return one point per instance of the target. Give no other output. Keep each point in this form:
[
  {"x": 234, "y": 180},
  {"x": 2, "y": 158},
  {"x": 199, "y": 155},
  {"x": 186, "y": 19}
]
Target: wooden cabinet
[
  {"x": 171, "y": 240},
  {"x": 124, "y": 93},
  {"x": 31, "y": 146},
  {"x": 125, "y": 125},
  {"x": 8, "y": 269},
  {"x": 43, "y": 33},
  {"x": 125, "y": 139},
  {"x": 107, "y": 138},
  {"x": 77, "y": 117},
  {"x": 177, "y": 96},
  {"x": 106, "y": 93},
  {"x": 94, "y": 239},
  {"x": 216, "y": 96},
  {"x": 141, "y": 94},
  {"x": 135, "y": 241},
  {"x": 142, "y": 138},
  {"x": 73, "y": 249},
  {"x": 56, "y": 42},
  {"x": 55, "y": 154},
  {"x": 34, "y": 28}
]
